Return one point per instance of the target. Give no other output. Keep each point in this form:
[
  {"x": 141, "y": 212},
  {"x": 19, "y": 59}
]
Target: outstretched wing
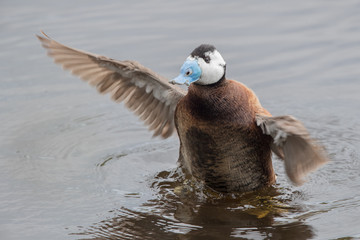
[
  {"x": 147, "y": 94},
  {"x": 293, "y": 144}
]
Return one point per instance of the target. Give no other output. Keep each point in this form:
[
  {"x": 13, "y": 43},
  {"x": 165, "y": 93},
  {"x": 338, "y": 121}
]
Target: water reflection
[{"x": 183, "y": 209}]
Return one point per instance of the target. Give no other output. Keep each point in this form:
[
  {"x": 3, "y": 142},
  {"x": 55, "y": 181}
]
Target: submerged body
[
  {"x": 226, "y": 137},
  {"x": 220, "y": 142}
]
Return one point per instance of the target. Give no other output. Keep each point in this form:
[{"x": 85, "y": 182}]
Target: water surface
[{"x": 74, "y": 165}]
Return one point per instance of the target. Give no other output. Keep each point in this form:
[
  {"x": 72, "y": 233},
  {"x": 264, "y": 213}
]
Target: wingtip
[
  {"x": 39, "y": 37},
  {"x": 319, "y": 159},
  {"x": 43, "y": 33},
  {"x": 45, "y": 36}
]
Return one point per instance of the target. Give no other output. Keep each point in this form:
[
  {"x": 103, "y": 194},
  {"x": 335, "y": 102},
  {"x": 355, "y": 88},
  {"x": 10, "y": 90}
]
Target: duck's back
[{"x": 220, "y": 143}]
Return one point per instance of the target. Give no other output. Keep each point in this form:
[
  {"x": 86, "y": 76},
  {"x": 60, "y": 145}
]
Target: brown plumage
[
  {"x": 226, "y": 136},
  {"x": 220, "y": 142}
]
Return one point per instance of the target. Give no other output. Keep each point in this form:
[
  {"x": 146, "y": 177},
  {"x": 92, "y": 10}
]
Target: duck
[{"x": 226, "y": 137}]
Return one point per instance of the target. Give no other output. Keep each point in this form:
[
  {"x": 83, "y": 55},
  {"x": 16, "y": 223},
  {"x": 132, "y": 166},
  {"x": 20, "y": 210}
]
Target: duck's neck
[
  {"x": 218, "y": 83},
  {"x": 194, "y": 88},
  {"x": 209, "y": 102}
]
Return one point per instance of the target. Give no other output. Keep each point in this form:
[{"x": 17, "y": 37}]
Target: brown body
[{"x": 220, "y": 142}]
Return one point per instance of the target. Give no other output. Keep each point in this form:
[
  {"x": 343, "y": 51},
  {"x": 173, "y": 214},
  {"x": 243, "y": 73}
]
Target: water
[{"x": 74, "y": 165}]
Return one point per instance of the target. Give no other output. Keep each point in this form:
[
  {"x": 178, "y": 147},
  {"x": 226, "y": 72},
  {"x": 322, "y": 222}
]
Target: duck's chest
[
  {"x": 220, "y": 142},
  {"x": 212, "y": 120},
  {"x": 215, "y": 108}
]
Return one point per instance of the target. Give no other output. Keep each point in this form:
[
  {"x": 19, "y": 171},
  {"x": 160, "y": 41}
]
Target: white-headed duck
[{"x": 226, "y": 136}]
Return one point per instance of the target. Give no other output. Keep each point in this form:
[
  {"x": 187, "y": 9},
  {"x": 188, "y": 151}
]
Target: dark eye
[
  {"x": 207, "y": 59},
  {"x": 188, "y": 72}
]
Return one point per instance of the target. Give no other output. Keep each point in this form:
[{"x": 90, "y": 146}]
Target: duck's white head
[{"x": 204, "y": 66}]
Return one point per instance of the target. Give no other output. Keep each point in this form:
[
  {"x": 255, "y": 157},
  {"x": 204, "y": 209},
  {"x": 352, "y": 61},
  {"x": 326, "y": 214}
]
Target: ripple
[{"x": 197, "y": 213}]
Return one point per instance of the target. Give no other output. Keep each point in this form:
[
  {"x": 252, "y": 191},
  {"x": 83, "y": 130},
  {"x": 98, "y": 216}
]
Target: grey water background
[{"x": 74, "y": 165}]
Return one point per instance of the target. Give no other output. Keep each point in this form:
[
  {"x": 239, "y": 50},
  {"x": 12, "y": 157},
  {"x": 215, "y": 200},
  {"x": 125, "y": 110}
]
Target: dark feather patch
[{"x": 201, "y": 50}]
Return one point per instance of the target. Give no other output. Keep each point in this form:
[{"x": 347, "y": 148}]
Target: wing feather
[
  {"x": 144, "y": 92},
  {"x": 294, "y": 145}
]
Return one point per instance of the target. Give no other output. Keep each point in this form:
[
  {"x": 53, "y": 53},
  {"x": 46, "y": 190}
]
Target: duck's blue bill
[
  {"x": 190, "y": 72},
  {"x": 181, "y": 79}
]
